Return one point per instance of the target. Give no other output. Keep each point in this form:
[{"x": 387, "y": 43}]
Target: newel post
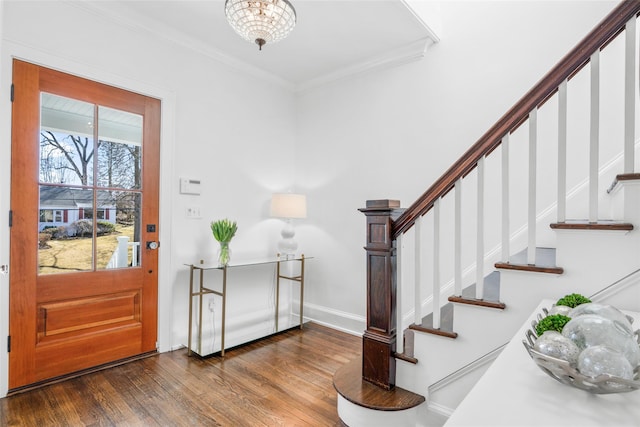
[{"x": 379, "y": 340}]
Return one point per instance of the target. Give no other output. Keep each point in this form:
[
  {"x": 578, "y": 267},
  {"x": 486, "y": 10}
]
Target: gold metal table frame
[{"x": 201, "y": 290}]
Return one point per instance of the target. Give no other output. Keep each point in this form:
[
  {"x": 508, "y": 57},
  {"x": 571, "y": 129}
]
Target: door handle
[{"x": 153, "y": 245}]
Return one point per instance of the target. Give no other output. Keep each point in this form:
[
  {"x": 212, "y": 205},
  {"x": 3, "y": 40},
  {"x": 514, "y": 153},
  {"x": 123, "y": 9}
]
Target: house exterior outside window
[{"x": 51, "y": 215}]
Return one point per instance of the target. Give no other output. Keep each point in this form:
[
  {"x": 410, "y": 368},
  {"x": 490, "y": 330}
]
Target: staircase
[{"x": 543, "y": 205}]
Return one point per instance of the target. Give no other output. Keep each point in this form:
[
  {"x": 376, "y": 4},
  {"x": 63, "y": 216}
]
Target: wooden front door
[{"x": 84, "y": 202}]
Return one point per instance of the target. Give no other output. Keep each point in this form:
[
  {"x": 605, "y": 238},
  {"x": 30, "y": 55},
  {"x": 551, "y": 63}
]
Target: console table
[
  {"x": 515, "y": 392},
  {"x": 198, "y": 270}
]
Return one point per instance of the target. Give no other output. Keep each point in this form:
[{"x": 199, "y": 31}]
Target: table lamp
[{"x": 288, "y": 206}]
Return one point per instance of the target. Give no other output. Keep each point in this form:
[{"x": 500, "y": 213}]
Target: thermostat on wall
[{"x": 189, "y": 186}]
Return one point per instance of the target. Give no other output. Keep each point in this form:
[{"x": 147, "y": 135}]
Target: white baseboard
[
  {"x": 346, "y": 322},
  {"x": 439, "y": 409}
]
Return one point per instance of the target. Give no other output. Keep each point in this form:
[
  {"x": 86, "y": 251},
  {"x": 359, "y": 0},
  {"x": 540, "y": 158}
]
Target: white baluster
[
  {"x": 531, "y": 217},
  {"x": 399, "y": 292},
  {"x": 457, "y": 255},
  {"x": 562, "y": 152},
  {"x": 594, "y": 138},
  {"x": 506, "y": 236},
  {"x": 436, "y": 264},
  {"x": 629, "y": 96},
  {"x": 417, "y": 297},
  {"x": 480, "y": 232}
]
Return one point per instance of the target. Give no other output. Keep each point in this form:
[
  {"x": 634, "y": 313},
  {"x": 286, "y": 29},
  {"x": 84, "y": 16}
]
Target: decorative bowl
[{"x": 564, "y": 372}]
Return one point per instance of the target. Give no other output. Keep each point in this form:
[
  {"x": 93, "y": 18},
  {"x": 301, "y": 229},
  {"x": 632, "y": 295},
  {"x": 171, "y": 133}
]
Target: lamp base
[{"x": 287, "y": 246}]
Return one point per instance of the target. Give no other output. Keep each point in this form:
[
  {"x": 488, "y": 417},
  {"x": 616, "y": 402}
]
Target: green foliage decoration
[
  {"x": 573, "y": 300},
  {"x": 553, "y": 322},
  {"x": 224, "y": 230}
]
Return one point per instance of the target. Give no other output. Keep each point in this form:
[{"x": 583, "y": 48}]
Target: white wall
[
  {"x": 391, "y": 133},
  {"x": 239, "y": 135},
  {"x": 232, "y": 131}
]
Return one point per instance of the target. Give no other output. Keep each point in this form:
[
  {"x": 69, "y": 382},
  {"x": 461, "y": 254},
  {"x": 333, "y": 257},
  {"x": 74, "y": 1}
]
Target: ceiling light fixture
[{"x": 262, "y": 21}]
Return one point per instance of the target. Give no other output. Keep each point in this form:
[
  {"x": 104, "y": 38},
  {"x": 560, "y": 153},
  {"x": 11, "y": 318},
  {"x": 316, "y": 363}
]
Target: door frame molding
[{"x": 11, "y": 51}]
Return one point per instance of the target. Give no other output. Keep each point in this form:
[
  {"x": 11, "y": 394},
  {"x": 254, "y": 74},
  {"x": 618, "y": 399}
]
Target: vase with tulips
[{"x": 223, "y": 231}]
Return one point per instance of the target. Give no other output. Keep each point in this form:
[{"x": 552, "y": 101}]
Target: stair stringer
[
  {"x": 623, "y": 293},
  {"x": 446, "y": 394}
]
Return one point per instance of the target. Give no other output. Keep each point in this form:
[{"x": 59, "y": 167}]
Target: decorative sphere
[
  {"x": 591, "y": 329},
  {"x": 631, "y": 351},
  {"x": 603, "y": 310},
  {"x": 560, "y": 309},
  {"x": 599, "y": 359},
  {"x": 554, "y": 344}
]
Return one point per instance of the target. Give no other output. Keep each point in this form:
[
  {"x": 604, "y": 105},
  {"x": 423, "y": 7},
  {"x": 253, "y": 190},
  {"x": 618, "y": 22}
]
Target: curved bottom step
[{"x": 361, "y": 403}]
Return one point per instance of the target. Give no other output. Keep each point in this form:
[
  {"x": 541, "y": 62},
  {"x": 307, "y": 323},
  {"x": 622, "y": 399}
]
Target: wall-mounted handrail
[{"x": 518, "y": 114}]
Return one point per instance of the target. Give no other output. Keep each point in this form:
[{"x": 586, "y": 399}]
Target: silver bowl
[{"x": 562, "y": 371}]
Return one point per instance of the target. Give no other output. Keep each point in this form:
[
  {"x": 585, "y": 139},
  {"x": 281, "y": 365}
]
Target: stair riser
[
  {"x": 624, "y": 202},
  {"x": 589, "y": 260},
  {"x": 355, "y": 415},
  {"x": 440, "y": 356}
]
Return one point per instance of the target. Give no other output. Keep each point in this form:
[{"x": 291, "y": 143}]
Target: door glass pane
[
  {"x": 88, "y": 220},
  {"x": 118, "y": 240},
  {"x": 66, "y": 140},
  {"x": 65, "y": 229},
  {"x": 119, "y": 148}
]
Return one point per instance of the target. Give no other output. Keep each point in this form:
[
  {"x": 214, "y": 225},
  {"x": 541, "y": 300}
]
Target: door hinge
[
  {"x": 13, "y": 92},
  {"x": 8, "y": 343},
  {"x": 11, "y": 218}
]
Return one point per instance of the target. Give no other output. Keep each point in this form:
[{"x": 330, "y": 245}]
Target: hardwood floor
[{"x": 285, "y": 380}]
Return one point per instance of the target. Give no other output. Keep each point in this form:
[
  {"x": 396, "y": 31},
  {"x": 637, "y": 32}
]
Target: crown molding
[
  {"x": 409, "y": 53},
  {"x": 144, "y": 25},
  {"x": 430, "y": 32},
  {"x": 141, "y": 24}
]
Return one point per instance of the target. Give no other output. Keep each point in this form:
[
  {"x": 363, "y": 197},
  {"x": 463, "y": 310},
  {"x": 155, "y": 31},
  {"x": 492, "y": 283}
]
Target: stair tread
[
  {"x": 601, "y": 224},
  {"x": 545, "y": 262},
  {"x": 491, "y": 293},
  {"x": 406, "y": 358},
  {"x": 621, "y": 178},
  {"x": 446, "y": 323},
  {"x": 349, "y": 383}
]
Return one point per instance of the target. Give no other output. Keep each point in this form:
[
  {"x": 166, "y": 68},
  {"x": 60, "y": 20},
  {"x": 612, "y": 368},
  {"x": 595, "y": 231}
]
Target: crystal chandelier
[{"x": 262, "y": 21}]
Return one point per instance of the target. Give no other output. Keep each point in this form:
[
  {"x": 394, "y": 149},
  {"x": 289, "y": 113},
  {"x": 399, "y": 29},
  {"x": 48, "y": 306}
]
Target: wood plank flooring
[{"x": 284, "y": 380}]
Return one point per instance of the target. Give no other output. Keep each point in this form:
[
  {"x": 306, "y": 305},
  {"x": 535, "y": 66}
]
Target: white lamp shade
[{"x": 287, "y": 205}]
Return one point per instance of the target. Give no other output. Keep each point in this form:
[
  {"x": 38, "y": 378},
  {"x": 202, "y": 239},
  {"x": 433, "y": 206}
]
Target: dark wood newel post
[{"x": 379, "y": 340}]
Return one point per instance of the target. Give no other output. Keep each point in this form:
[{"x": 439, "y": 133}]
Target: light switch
[{"x": 193, "y": 212}]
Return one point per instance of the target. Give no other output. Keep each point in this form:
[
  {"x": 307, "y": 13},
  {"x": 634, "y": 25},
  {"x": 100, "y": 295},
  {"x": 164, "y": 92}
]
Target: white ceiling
[{"x": 332, "y": 38}]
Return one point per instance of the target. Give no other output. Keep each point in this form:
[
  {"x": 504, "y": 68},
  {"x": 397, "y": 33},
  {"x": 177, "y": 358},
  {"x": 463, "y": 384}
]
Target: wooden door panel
[
  {"x": 104, "y": 348},
  {"x": 66, "y": 322},
  {"x": 79, "y": 285},
  {"x": 92, "y": 314}
]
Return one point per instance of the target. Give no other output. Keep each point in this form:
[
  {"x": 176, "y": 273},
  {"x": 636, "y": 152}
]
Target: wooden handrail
[{"x": 573, "y": 61}]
